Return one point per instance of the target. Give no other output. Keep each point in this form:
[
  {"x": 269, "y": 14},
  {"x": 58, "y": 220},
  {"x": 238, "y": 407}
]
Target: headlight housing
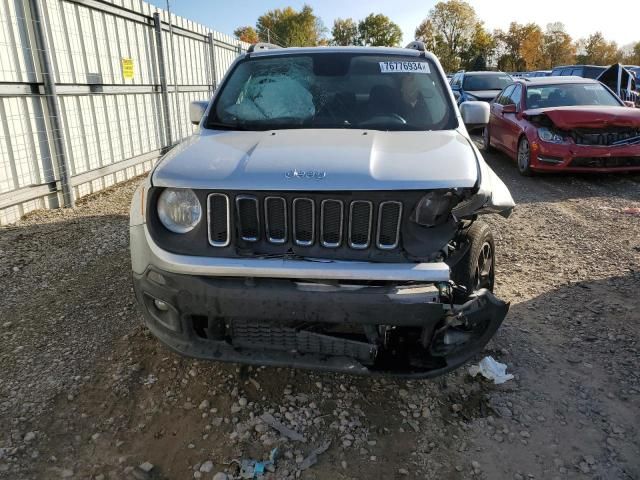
[
  {"x": 550, "y": 136},
  {"x": 434, "y": 208},
  {"x": 179, "y": 210}
]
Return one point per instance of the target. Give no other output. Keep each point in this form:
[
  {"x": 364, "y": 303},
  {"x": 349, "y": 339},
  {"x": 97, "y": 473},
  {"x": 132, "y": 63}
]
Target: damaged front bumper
[
  {"x": 551, "y": 157},
  {"x": 401, "y": 330},
  {"x": 350, "y": 317}
]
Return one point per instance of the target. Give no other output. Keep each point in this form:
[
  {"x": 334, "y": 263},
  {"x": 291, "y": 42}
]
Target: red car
[{"x": 567, "y": 124}]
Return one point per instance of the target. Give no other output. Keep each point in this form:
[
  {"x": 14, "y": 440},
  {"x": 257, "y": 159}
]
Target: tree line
[{"x": 453, "y": 32}]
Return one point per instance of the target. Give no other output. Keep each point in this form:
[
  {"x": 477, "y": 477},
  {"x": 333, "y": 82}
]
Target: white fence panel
[{"x": 112, "y": 127}]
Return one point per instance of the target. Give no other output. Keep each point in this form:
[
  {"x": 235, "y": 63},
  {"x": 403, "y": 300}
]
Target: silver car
[{"x": 325, "y": 215}]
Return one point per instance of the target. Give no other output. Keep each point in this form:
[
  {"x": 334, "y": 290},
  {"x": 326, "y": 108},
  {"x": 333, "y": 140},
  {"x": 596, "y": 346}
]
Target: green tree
[
  {"x": 523, "y": 47},
  {"x": 247, "y": 34},
  {"x": 479, "y": 64},
  {"x": 558, "y": 47},
  {"x": 449, "y": 28},
  {"x": 344, "y": 32},
  {"x": 435, "y": 43},
  {"x": 596, "y": 50},
  {"x": 290, "y": 28},
  {"x": 481, "y": 48},
  {"x": 631, "y": 54},
  {"x": 378, "y": 30}
]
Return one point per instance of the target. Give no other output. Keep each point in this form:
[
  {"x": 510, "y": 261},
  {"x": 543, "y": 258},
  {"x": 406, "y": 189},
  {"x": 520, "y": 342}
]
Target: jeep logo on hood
[{"x": 310, "y": 174}]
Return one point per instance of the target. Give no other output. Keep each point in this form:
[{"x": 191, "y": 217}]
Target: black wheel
[
  {"x": 486, "y": 140},
  {"x": 476, "y": 269},
  {"x": 524, "y": 157}
]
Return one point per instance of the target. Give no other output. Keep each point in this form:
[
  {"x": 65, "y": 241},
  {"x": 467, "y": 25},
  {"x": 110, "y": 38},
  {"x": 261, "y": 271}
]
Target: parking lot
[{"x": 87, "y": 392}]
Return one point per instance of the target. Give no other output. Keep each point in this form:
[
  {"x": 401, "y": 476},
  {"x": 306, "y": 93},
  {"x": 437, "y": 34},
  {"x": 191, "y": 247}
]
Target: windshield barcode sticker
[{"x": 404, "y": 67}]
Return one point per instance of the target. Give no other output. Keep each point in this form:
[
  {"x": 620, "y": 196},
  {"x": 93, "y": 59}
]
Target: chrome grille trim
[
  {"x": 267, "y": 224},
  {"x": 323, "y": 242},
  {"x": 352, "y": 244},
  {"x": 389, "y": 246},
  {"x": 304, "y": 243},
  {"x": 212, "y": 242},
  {"x": 254, "y": 200}
]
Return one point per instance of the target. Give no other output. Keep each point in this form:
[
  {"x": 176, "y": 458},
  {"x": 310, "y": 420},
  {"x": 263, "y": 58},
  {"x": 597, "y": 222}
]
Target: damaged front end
[
  {"x": 582, "y": 139},
  {"x": 388, "y": 298},
  {"x": 411, "y": 329}
]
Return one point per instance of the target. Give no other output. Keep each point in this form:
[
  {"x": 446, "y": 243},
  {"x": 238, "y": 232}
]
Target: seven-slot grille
[{"x": 304, "y": 221}]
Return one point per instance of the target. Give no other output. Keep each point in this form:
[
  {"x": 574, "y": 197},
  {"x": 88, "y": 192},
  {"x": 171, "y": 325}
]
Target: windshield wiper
[{"x": 224, "y": 126}]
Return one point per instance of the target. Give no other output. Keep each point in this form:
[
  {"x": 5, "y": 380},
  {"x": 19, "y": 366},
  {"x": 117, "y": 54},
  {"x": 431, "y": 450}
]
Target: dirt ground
[{"x": 87, "y": 392}]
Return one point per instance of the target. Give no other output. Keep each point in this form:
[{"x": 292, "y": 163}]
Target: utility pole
[{"x": 53, "y": 109}]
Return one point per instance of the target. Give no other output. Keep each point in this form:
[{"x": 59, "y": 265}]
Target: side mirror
[
  {"x": 629, "y": 104},
  {"x": 474, "y": 114},
  {"x": 511, "y": 108},
  {"x": 196, "y": 111}
]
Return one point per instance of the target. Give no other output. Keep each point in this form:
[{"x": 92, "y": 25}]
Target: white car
[{"x": 325, "y": 215}]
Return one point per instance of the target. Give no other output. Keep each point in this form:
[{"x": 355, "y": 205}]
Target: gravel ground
[{"x": 87, "y": 392}]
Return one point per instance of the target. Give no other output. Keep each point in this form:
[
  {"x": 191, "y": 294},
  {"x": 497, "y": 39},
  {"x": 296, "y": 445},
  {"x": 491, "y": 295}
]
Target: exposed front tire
[
  {"x": 476, "y": 269},
  {"x": 486, "y": 140},
  {"x": 524, "y": 157}
]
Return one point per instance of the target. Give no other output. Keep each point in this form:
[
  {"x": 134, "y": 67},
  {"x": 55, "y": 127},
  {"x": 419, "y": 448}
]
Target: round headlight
[{"x": 179, "y": 209}]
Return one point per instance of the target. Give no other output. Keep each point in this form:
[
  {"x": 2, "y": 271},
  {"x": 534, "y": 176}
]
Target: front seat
[{"x": 534, "y": 100}]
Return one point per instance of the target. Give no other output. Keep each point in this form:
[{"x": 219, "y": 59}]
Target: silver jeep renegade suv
[{"x": 325, "y": 215}]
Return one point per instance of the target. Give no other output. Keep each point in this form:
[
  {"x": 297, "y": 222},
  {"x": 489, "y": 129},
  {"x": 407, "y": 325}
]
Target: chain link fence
[{"x": 92, "y": 92}]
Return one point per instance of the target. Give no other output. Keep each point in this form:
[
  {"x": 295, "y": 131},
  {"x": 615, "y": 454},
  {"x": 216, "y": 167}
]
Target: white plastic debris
[{"x": 492, "y": 370}]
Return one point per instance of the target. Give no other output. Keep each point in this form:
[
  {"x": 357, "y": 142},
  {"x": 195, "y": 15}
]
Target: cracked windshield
[{"x": 337, "y": 91}]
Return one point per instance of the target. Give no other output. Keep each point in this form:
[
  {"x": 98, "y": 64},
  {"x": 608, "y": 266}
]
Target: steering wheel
[
  {"x": 386, "y": 118},
  {"x": 399, "y": 117}
]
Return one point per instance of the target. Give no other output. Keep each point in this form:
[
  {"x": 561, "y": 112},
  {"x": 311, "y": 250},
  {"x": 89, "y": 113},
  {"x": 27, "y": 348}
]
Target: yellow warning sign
[{"x": 127, "y": 68}]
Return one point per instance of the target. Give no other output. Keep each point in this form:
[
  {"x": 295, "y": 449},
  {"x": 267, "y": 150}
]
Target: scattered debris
[
  {"x": 312, "y": 458},
  {"x": 631, "y": 211},
  {"x": 280, "y": 427},
  {"x": 250, "y": 469},
  {"x": 492, "y": 370}
]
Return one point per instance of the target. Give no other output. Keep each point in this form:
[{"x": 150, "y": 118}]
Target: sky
[{"x": 579, "y": 16}]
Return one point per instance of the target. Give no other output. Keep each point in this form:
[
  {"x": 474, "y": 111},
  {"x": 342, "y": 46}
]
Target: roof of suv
[{"x": 372, "y": 50}]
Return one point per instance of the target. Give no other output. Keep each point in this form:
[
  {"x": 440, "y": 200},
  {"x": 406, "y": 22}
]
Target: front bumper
[
  {"x": 386, "y": 325},
  {"x": 552, "y": 157}
]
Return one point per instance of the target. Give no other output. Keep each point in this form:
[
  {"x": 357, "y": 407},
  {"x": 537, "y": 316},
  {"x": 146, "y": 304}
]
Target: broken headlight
[
  {"x": 434, "y": 208},
  {"x": 550, "y": 136},
  {"x": 179, "y": 209}
]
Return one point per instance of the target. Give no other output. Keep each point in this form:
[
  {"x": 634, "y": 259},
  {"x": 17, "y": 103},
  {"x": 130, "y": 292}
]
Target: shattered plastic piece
[
  {"x": 632, "y": 211},
  {"x": 312, "y": 458},
  {"x": 250, "y": 469},
  {"x": 492, "y": 370},
  {"x": 280, "y": 427}
]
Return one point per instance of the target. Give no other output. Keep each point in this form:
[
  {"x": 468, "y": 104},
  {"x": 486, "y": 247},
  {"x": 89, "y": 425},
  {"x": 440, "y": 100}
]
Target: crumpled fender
[{"x": 492, "y": 195}]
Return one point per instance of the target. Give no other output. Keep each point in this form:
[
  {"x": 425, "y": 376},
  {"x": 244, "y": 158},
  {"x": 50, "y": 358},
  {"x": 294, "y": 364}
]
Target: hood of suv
[{"x": 320, "y": 160}]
